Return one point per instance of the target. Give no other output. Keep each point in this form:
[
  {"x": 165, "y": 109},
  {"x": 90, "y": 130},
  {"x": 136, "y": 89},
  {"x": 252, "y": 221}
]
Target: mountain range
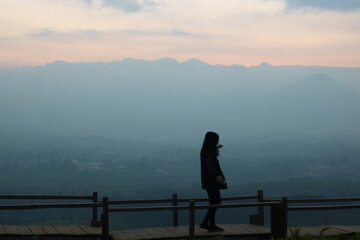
[{"x": 166, "y": 99}]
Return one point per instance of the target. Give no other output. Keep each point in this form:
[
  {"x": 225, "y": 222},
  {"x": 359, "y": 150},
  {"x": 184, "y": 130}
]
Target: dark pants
[{"x": 214, "y": 198}]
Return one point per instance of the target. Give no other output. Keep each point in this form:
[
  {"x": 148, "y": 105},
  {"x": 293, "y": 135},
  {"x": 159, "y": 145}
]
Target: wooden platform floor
[
  {"x": 243, "y": 231},
  {"x": 231, "y": 230},
  {"x": 332, "y": 230},
  {"x": 49, "y": 230}
]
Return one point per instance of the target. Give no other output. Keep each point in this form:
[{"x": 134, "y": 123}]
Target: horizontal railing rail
[
  {"x": 167, "y": 208},
  {"x": 332, "y": 207},
  {"x": 170, "y": 200},
  {"x": 142, "y": 201},
  {"x": 317, "y": 200},
  {"x": 55, "y": 205},
  {"x": 222, "y": 199},
  {"x": 146, "y": 209},
  {"x": 45, "y": 197},
  {"x": 94, "y": 203}
]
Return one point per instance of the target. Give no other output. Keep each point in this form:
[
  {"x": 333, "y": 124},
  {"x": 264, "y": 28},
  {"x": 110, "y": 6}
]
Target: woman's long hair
[{"x": 210, "y": 144}]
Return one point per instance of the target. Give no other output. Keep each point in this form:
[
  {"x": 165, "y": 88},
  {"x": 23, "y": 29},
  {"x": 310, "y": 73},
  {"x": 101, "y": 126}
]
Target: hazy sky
[{"x": 247, "y": 32}]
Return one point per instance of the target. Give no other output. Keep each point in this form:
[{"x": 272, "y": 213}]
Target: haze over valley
[{"x": 133, "y": 129}]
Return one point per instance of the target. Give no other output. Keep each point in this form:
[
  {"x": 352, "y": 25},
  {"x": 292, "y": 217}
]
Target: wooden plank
[
  {"x": 76, "y": 230},
  {"x": 256, "y": 229},
  {"x": 2, "y": 230},
  {"x": 240, "y": 230},
  {"x": 330, "y": 230},
  {"x": 181, "y": 231},
  {"x": 37, "y": 230},
  {"x": 91, "y": 230},
  {"x": 11, "y": 229},
  {"x": 62, "y": 229},
  {"x": 23, "y": 230},
  {"x": 154, "y": 232},
  {"x": 229, "y": 230},
  {"x": 333, "y": 231},
  {"x": 143, "y": 234},
  {"x": 50, "y": 230},
  {"x": 349, "y": 229},
  {"x": 200, "y": 232},
  {"x": 130, "y": 234},
  {"x": 121, "y": 235},
  {"x": 165, "y": 232},
  {"x": 314, "y": 231}
]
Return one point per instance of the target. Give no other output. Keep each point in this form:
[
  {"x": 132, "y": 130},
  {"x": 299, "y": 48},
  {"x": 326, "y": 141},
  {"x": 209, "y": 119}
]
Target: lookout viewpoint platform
[
  {"x": 233, "y": 231},
  {"x": 99, "y": 228}
]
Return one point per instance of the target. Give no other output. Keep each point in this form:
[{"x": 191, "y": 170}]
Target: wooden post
[
  {"x": 279, "y": 220},
  {"x": 260, "y": 198},
  {"x": 105, "y": 219},
  {"x": 191, "y": 220},
  {"x": 285, "y": 210},
  {"x": 94, "y": 221},
  {"x": 175, "y": 211}
]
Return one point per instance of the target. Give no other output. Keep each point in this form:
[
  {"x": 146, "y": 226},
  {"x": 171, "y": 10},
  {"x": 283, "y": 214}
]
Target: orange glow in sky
[{"x": 247, "y": 32}]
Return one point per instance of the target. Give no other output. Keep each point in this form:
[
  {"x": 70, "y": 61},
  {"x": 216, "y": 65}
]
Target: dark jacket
[{"x": 210, "y": 169}]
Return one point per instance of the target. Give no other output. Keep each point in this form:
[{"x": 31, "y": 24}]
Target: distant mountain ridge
[{"x": 166, "y": 99}]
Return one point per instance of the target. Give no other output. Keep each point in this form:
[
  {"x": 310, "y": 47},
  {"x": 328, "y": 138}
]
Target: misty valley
[
  {"x": 144, "y": 170},
  {"x": 133, "y": 129}
]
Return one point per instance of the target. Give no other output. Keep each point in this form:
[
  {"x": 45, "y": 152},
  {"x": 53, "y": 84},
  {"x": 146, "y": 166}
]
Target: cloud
[
  {"x": 126, "y": 5},
  {"x": 44, "y": 32},
  {"x": 179, "y": 32},
  {"x": 48, "y": 33},
  {"x": 337, "y": 5}
]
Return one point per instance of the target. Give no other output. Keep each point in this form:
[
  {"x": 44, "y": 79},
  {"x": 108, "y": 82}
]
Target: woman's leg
[{"x": 214, "y": 198}]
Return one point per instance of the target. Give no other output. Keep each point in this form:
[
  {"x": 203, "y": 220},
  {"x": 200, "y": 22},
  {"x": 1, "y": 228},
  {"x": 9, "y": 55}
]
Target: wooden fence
[
  {"x": 191, "y": 207},
  {"x": 279, "y": 213},
  {"x": 94, "y": 203},
  {"x": 174, "y": 200},
  {"x": 278, "y": 208}
]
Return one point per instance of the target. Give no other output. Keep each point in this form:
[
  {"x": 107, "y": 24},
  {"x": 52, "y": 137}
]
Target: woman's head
[{"x": 210, "y": 143}]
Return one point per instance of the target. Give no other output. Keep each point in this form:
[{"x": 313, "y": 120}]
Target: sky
[{"x": 245, "y": 32}]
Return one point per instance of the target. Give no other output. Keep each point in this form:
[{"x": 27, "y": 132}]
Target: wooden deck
[
  {"x": 231, "y": 230},
  {"x": 80, "y": 232},
  {"x": 332, "y": 230},
  {"x": 181, "y": 232}
]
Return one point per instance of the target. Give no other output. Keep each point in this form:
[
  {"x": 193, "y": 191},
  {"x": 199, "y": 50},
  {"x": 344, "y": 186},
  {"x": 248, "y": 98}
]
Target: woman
[{"x": 212, "y": 178}]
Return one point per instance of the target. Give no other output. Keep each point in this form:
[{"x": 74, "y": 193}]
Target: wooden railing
[
  {"x": 191, "y": 207},
  {"x": 279, "y": 213},
  {"x": 94, "y": 205},
  {"x": 104, "y": 204},
  {"x": 174, "y": 200}
]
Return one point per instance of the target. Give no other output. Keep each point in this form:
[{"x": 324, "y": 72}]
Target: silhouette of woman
[{"x": 212, "y": 178}]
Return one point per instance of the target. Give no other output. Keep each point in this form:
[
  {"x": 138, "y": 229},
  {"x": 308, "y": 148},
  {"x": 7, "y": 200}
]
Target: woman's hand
[
  {"x": 219, "y": 179},
  {"x": 219, "y": 146}
]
